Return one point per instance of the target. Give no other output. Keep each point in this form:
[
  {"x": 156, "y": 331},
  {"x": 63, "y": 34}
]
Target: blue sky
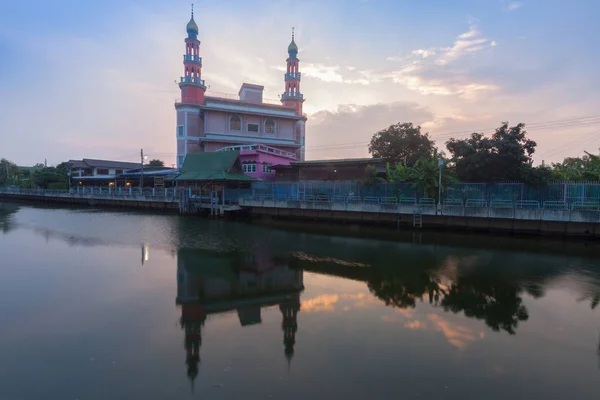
[{"x": 96, "y": 79}]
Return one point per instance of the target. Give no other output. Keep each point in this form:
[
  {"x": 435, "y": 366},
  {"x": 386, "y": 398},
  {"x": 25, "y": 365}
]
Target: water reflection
[
  {"x": 245, "y": 282},
  {"x": 6, "y": 212},
  {"x": 473, "y": 286}
]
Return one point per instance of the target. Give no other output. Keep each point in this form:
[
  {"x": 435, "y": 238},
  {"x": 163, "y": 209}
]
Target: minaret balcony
[
  {"x": 292, "y": 96},
  {"x": 190, "y": 58},
  {"x": 293, "y": 75},
  {"x": 192, "y": 81}
]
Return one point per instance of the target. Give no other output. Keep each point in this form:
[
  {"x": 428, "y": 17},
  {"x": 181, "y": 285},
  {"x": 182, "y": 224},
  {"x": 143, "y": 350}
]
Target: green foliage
[
  {"x": 503, "y": 156},
  {"x": 397, "y": 174},
  {"x": 401, "y": 143},
  {"x": 50, "y": 178},
  {"x": 8, "y": 172},
  {"x": 424, "y": 174},
  {"x": 372, "y": 177},
  {"x": 156, "y": 163},
  {"x": 586, "y": 168}
]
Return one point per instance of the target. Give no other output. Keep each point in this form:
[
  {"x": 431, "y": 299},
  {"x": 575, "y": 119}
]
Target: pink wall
[
  {"x": 195, "y": 126},
  {"x": 217, "y": 122},
  {"x": 253, "y": 97},
  {"x": 260, "y": 159}
]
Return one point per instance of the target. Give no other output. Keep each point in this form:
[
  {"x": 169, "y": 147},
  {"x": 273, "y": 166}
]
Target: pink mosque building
[{"x": 264, "y": 133}]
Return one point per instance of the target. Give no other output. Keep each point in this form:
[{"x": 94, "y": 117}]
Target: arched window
[
  {"x": 269, "y": 126},
  {"x": 235, "y": 123}
]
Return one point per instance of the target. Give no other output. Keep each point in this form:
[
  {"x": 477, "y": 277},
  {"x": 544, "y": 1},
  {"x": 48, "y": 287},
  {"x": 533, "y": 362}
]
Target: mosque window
[
  {"x": 269, "y": 126},
  {"x": 235, "y": 123},
  {"x": 180, "y": 130}
]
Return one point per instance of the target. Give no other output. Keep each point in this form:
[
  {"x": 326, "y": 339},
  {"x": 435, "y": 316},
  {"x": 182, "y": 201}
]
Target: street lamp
[
  {"x": 440, "y": 165},
  {"x": 143, "y": 157}
]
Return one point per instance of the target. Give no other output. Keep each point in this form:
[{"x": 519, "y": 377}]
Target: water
[{"x": 115, "y": 305}]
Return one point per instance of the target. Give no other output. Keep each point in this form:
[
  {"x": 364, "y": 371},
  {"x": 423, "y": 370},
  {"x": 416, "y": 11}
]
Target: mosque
[{"x": 265, "y": 132}]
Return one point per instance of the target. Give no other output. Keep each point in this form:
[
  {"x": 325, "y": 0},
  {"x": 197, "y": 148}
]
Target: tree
[
  {"x": 50, "y": 178},
  {"x": 401, "y": 142},
  {"x": 372, "y": 177},
  {"x": 503, "y": 156},
  {"x": 156, "y": 163},
  {"x": 586, "y": 168},
  {"x": 8, "y": 171}
]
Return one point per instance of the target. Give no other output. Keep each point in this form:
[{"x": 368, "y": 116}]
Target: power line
[{"x": 564, "y": 123}]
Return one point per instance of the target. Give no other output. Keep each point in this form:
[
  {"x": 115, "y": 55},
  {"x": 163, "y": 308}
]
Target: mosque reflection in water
[{"x": 244, "y": 282}]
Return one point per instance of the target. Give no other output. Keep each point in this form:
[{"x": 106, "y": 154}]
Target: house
[
  {"x": 217, "y": 175},
  {"x": 90, "y": 170},
  {"x": 345, "y": 169}
]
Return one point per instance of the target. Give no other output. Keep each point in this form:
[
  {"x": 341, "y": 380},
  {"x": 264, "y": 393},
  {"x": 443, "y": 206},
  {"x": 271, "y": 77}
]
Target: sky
[{"x": 83, "y": 79}]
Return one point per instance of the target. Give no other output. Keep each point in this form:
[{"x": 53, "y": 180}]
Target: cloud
[
  {"x": 513, "y": 5},
  {"x": 466, "y": 43},
  {"x": 346, "y": 131},
  {"x": 457, "y": 335}
]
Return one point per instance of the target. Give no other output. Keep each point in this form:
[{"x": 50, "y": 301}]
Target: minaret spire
[
  {"x": 191, "y": 83},
  {"x": 291, "y": 96}
]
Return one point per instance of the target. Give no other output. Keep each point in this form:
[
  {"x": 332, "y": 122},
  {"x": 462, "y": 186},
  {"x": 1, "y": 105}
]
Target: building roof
[
  {"x": 250, "y": 86},
  {"x": 93, "y": 163},
  {"x": 218, "y": 166},
  {"x": 334, "y": 161},
  {"x": 78, "y": 164},
  {"x": 192, "y": 25}
]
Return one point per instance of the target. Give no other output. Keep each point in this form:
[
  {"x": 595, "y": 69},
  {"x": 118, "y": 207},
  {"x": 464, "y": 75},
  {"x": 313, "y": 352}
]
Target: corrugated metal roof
[
  {"x": 218, "y": 166},
  {"x": 110, "y": 164}
]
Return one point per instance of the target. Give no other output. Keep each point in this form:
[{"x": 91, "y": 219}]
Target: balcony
[
  {"x": 293, "y": 75},
  {"x": 250, "y": 148},
  {"x": 192, "y": 81},
  {"x": 292, "y": 96},
  {"x": 192, "y": 58}
]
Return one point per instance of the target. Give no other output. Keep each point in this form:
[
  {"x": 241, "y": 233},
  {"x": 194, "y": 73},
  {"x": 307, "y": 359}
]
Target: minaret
[
  {"x": 192, "y": 320},
  {"x": 289, "y": 325},
  {"x": 191, "y": 83},
  {"x": 292, "y": 97}
]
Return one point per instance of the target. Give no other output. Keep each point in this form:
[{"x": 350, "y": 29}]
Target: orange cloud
[
  {"x": 458, "y": 336},
  {"x": 324, "y": 302}
]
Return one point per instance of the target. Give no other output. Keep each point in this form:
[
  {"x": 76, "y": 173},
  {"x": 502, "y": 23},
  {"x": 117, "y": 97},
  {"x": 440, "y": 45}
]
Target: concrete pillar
[
  {"x": 130, "y": 191},
  {"x": 153, "y": 192}
]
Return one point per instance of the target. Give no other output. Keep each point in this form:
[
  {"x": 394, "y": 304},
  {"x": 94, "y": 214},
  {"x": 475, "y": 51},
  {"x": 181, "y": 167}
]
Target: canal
[{"x": 120, "y": 305}]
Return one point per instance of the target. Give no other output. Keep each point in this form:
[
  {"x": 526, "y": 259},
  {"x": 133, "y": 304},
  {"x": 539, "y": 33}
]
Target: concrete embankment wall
[
  {"x": 129, "y": 203},
  {"x": 542, "y": 222}
]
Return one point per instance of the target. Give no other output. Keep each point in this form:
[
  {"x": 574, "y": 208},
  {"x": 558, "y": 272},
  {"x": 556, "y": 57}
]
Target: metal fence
[{"x": 553, "y": 195}]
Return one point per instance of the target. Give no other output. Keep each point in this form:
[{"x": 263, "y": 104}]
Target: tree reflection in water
[
  {"x": 6, "y": 212},
  {"x": 489, "y": 290}
]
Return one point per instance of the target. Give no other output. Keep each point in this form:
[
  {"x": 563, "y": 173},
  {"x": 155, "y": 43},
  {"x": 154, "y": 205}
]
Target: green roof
[{"x": 217, "y": 166}]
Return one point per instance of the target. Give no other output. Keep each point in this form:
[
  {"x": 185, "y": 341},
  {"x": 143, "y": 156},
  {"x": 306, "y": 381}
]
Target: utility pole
[
  {"x": 440, "y": 164},
  {"x": 142, "y": 173}
]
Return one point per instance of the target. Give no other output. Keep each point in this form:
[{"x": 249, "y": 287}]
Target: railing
[
  {"x": 292, "y": 96},
  {"x": 293, "y": 75},
  {"x": 425, "y": 202},
  {"x": 220, "y": 95},
  {"x": 261, "y": 148},
  {"x": 193, "y": 58},
  {"x": 165, "y": 194},
  {"x": 192, "y": 80}
]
